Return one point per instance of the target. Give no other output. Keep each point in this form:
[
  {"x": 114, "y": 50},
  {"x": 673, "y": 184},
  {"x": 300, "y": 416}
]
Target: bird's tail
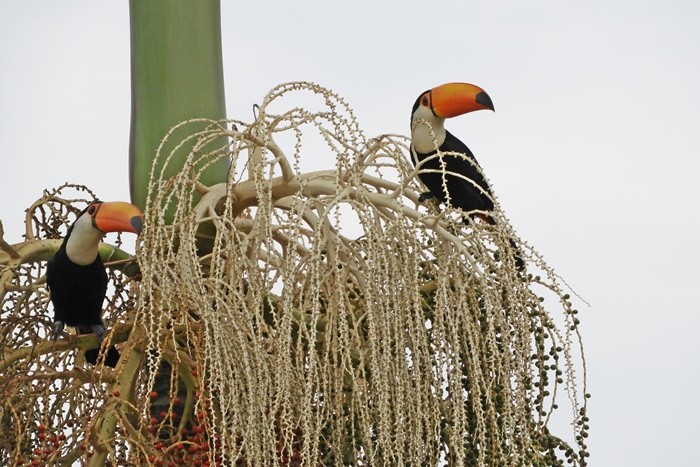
[
  {"x": 517, "y": 254},
  {"x": 111, "y": 358},
  {"x": 92, "y": 355}
]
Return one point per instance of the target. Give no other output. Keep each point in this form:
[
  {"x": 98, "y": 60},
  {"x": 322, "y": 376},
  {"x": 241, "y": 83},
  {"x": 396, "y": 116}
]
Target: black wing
[{"x": 463, "y": 193}]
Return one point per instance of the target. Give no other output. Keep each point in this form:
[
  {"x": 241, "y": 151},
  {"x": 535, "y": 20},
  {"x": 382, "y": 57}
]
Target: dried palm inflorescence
[{"x": 321, "y": 318}]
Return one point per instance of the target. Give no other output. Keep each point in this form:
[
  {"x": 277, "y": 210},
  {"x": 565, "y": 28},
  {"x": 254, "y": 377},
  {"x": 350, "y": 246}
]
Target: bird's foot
[
  {"x": 425, "y": 196},
  {"x": 98, "y": 329},
  {"x": 58, "y": 329}
]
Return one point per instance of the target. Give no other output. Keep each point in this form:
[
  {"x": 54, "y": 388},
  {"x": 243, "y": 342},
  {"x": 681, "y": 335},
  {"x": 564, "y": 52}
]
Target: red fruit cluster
[
  {"x": 191, "y": 447},
  {"x": 48, "y": 447}
]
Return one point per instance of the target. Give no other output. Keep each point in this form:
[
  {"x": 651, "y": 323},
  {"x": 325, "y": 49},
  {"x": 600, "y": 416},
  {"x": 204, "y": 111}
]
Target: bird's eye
[
  {"x": 91, "y": 210},
  {"x": 425, "y": 100}
]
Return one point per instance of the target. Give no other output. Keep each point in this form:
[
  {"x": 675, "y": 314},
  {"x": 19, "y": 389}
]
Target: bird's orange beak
[
  {"x": 116, "y": 216},
  {"x": 452, "y": 99}
]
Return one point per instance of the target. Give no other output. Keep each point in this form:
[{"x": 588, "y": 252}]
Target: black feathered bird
[
  {"x": 450, "y": 178},
  {"x": 76, "y": 276}
]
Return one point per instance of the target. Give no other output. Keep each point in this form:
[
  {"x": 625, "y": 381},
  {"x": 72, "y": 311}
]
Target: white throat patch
[
  {"x": 427, "y": 130},
  {"x": 84, "y": 240}
]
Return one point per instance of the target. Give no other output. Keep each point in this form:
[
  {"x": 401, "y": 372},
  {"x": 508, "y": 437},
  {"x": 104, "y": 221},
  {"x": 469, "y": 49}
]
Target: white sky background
[{"x": 592, "y": 151}]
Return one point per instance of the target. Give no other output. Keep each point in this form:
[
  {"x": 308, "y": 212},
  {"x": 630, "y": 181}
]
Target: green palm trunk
[{"x": 177, "y": 74}]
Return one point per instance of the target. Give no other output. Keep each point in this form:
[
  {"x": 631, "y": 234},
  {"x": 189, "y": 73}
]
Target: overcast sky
[{"x": 593, "y": 149}]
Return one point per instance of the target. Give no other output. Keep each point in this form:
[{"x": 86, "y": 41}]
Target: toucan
[
  {"x": 76, "y": 276},
  {"x": 456, "y": 179}
]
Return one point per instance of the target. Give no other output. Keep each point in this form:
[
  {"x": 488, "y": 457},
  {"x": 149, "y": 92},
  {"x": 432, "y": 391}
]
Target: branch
[
  {"x": 34, "y": 251},
  {"x": 86, "y": 342},
  {"x": 6, "y": 246},
  {"x": 108, "y": 422}
]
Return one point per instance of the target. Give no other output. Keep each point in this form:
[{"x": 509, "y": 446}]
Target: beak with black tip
[
  {"x": 453, "y": 99},
  {"x": 116, "y": 216}
]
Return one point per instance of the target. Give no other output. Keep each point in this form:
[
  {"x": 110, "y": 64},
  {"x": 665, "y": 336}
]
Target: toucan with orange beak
[
  {"x": 76, "y": 276},
  {"x": 454, "y": 179}
]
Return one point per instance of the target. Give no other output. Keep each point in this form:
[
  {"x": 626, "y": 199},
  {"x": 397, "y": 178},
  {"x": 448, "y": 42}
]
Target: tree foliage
[{"x": 316, "y": 318}]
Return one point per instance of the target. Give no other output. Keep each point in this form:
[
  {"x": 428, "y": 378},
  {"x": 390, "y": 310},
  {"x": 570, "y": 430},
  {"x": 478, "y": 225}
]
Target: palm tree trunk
[{"x": 176, "y": 75}]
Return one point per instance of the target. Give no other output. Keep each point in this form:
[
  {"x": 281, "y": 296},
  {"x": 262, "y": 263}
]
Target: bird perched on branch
[
  {"x": 451, "y": 175},
  {"x": 76, "y": 276}
]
